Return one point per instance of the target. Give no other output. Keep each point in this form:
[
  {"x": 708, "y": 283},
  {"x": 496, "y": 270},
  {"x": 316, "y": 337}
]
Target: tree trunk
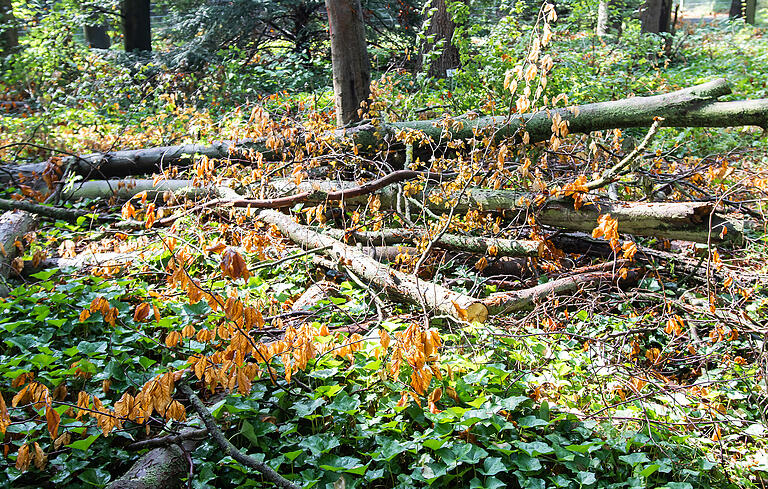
[
  {"x": 441, "y": 29},
  {"x": 744, "y": 9},
  {"x": 160, "y": 468},
  {"x": 602, "y": 18},
  {"x": 96, "y": 36},
  {"x": 136, "y": 25},
  {"x": 656, "y": 16},
  {"x": 13, "y": 226},
  {"x": 400, "y": 285},
  {"x": 689, "y": 221},
  {"x": 349, "y": 55},
  {"x": 9, "y": 34},
  {"x": 690, "y": 107}
]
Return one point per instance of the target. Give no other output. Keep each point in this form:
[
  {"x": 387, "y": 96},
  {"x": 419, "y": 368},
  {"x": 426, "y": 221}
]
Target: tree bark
[
  {"x": 96, "y": 36},
  {"x": 689, "y": 221},
  {"x": 744, "y": 9},
  {"x": 137, "y": 31},
  {"x": 13, "y": 226},
  {"x": 656, "y": 16},
  {"x": 161, "y": 468},
  {"x": 349, "y": 56},
  {"x": 602, "y": 18},
  {"x": 441, "y": 29},
  {"x": 9, "y": 34},
  {"x": 470, "y": 244},
  {"x": 397, "y": 284},
  {"x": 690, "y": 107}
]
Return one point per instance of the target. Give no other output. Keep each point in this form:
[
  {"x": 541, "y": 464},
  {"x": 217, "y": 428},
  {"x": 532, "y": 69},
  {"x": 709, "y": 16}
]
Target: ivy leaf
[{"x": 492, "y": 466}]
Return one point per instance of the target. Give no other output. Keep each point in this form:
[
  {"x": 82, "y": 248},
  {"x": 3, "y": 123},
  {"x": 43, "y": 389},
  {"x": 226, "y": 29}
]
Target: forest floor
[{"x": 649, "y": 368}]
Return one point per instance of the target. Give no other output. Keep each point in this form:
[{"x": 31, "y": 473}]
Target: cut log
[
  {"x": 505, "y": 302},
  {"x": 689, "y": 221},
  {"x": 13, "y": 226},
  {"x": 160, "y": 468},
  {"x": 690, "y": 107},
  {"x": 397, "y": 284},
  {"x": 470, "y": 244}
]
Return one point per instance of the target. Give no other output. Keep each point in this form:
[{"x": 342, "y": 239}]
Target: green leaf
[
  {"x": 492, "y": 466},
  {"x": 531, "y": 422},
  {"x": 389, "y": 447},
  {"x": 650, "y": 469},
  {"x": 291, "y": 456},
  {"x": 534, "y": 448},
  {"x": 146, "y": 362},
  {"x": 634, "y": 458},
  {"x": 435, "y": 443},
  {"x": 304, "y": 409},
  {"x": 83, "y": 444},
  {"x": 45, "y": 274},
  {"x": 319, "y": 444},
  {"x": 586, "y": 478},
  {"x": 525, "y": 462},
  {"x": 95, "y": 477},
  {"x": 344, "y": 403}
]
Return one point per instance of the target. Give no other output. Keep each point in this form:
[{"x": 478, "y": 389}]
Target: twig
[
  {"x": 164, "y": 441},
  {"x": 218, "y": 437},
  {"x": 609, "y": 176}
]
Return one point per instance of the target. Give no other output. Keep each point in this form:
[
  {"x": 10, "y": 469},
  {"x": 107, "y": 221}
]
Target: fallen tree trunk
[
  {"x": 688, "y": 221},
  {"x": 13, "y": 225},
  {"x": 398, "y": 284},
  {"x": 690, "y": 107},
  {"x": 128, "y": 188},
  {"x": 163, "y": 468},
  {"x": 505, "y": 302},
  {"x": 470, "y": 244}
]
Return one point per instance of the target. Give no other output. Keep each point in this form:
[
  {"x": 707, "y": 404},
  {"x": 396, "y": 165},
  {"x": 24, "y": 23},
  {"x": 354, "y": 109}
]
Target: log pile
[{"x": 701, "y": 222}]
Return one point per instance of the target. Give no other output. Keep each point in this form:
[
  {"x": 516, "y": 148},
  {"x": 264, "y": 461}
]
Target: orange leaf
[
  {"x": 23, "y": 458},
  {"x": 142, "y": 312},
  {"x": 233, "y": 265},
  {"x": 5, "y": 419},
  {"x": 52, "y": 419},
  {"x": 217, "y": 248}
]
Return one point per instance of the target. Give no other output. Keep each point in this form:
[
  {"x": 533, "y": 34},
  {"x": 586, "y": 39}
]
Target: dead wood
[
  {"x": 688, "y": 221},
  {"x": 13, "y": 226},
  {"x": 400, "y": 285},
  {"x": 689, "y": 107}
]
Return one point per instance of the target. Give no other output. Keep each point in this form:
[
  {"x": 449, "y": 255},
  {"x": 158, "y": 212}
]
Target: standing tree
[
  {"x": 439, "y": 36},
  {"x": 602, "y": 18},
  {"x": 9, "y": 35},
  {"x": 745, "y": 9},
  {"x": 349, "y": 55},
  {"x": 136, "y": 25},
  {"x": 96, "y": 36},
  {"x": 656, "y": 16}
]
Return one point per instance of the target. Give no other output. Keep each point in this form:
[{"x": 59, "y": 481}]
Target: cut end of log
[{"x": 477, "y": 312}]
